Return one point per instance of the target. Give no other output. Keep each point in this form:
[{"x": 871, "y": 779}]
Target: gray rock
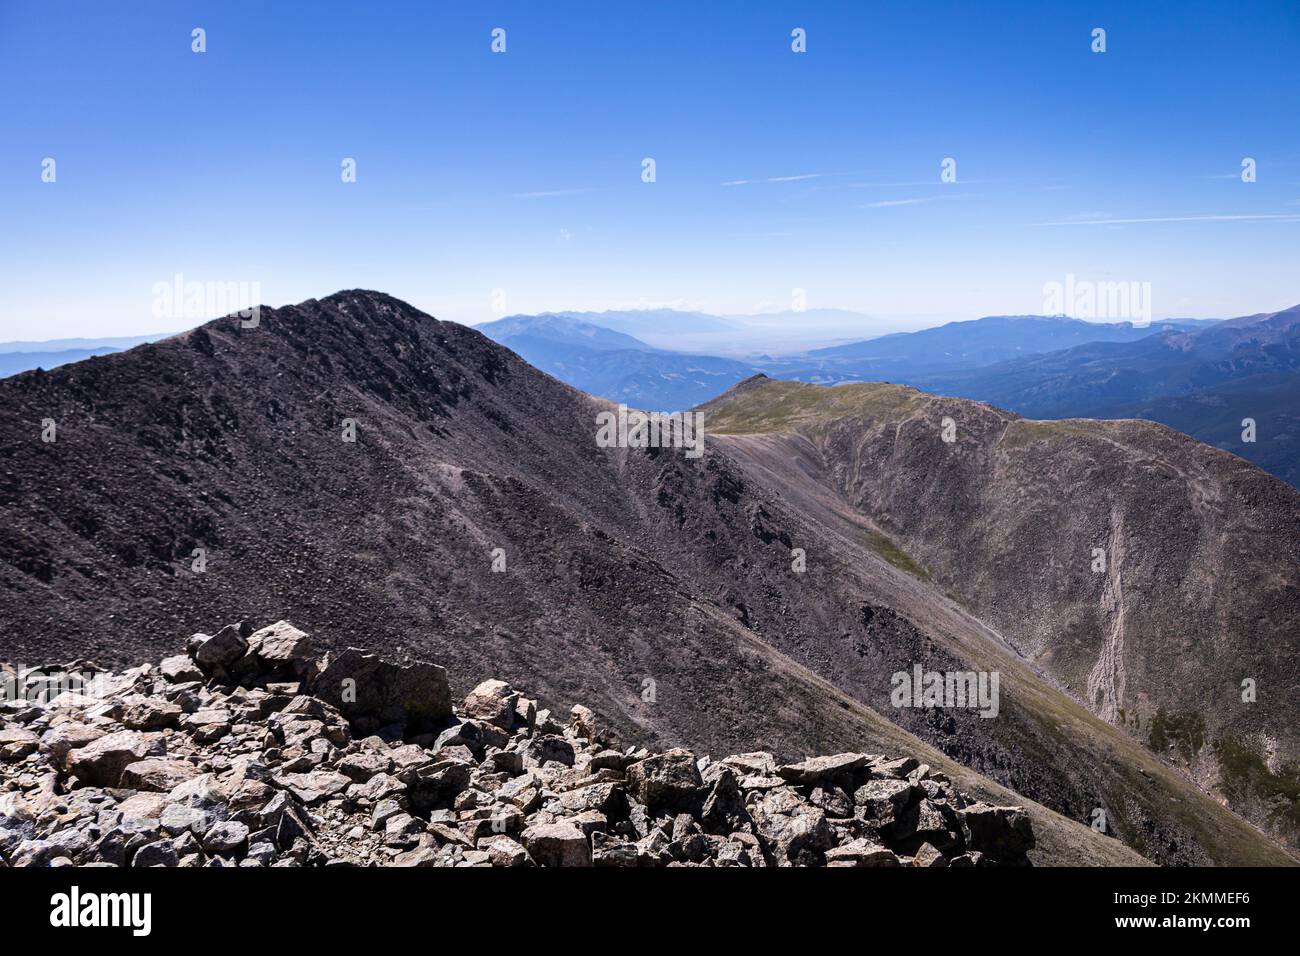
[
  {"x": 817, "y": 769},
  {"x": 505, "y": 852},
  {"x": 929, "y": 856},
  {"x": 157, "y": 774},
  {"x": 549, "y": 747},
  {"x": 557, "y": 844},
  {"x": 374, "y": 692},
  {"x": 221, "y": 650},
  {"x": 225, "y": 839},
  {"x": 402, "y": 831},
  {"x": 493, "y": 701},
  {"x": 861, "y": 853},
  {"x": 101, "y": 762},
  {"x": 151, "y": 713},
  {"x": 282, "y": 645},
  {"x": 159, "y": 853},
  {"x": 665, "y": 780},
  {"x": 882, "y": 799},
  {"x": 1001, "y": 833},
  {"x": 180, "y": 669},
  {"x": 17, "y": 743},
  {"x": 794, "y": 832}
]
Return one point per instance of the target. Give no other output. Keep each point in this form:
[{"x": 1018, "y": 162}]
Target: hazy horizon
[{"x": 823, "y": 333}]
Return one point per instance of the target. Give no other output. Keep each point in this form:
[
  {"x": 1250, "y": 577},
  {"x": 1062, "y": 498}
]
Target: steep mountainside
[
  {"x": 1149, "y": 574},
  {"x": 656, "y": 588}
]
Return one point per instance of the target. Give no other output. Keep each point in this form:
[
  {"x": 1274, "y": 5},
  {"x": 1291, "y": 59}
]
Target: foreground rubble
[{"x": 249, "y": 751}]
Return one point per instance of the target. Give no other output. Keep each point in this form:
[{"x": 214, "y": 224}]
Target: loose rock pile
[{"x": 248, "y": 751}]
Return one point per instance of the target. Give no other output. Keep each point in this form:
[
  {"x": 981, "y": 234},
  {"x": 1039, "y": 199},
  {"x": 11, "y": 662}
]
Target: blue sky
[{"x": 522, "y": 171}]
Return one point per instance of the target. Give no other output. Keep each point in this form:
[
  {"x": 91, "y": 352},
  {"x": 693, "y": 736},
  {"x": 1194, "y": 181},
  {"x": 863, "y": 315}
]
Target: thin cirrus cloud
[
  {"x": 549, "y": 193},
  {"x": 911, "y": 201},
  {"x": 772, "y": 179},
  {"x": 887, "y": 203},
  {"x": 1256, "y": 217}
]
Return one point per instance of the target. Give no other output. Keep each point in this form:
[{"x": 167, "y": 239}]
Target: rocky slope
[
  {"x": 475, "y": 521},
  {"x": 1153, "y": 578},
  {"x": 249, "y": 751}
]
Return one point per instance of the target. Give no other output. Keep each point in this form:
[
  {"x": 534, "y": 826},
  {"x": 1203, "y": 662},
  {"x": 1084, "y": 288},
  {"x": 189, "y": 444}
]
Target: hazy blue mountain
[
  {"x": 1081, "y": 381},
  {"x": 115, "y": 343},
  {"x": 657, "y": 327},
  {"x": 11, "y": 363},
  {"x": 615, "y": 365},
  {"x": 734, "y": 336},
  {"x": 1202, "y": 381},
  {"x": 18, "y": 357},
  {"x": 560, "y": 329},
  {"x": 978, "y": 342}
]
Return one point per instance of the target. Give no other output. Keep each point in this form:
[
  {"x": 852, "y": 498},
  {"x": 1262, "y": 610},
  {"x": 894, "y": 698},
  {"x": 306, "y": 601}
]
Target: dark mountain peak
[{"x": 748, "y": 383}]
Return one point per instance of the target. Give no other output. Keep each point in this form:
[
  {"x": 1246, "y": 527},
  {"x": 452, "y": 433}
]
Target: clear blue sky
[{"x": 522, "y": 171}]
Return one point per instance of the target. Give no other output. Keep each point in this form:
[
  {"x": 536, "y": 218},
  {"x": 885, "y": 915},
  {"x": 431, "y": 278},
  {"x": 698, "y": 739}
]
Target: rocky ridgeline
[{"x": 249, "y": 751}]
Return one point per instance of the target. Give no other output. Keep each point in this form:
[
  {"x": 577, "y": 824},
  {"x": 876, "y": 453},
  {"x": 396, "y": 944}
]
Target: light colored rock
[
  {"x": 101, "y": 762},
  {"x": 557, "y": 844}
]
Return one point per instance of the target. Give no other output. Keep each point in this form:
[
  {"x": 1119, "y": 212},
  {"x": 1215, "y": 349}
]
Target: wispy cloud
[
  {"x": 772, "y": 179},
  {"x": 548, "y": 193},
  {"x": 886, "y": 203},
  {"x": 928, "y": 182},
  {"x": 1257, "y": 217},
  {"x": 919, "y": 182},
  {"x": 911, "y": 201}
]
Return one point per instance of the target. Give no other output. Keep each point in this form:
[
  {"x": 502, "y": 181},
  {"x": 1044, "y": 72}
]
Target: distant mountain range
[
  {"x": 1204, "y": 377},
  {"x": 1206, "y": 381},
  {"x": 361, "y": 467},
  {"x": 736, "y": 336},
  {"x": 991, "y": 339},
  {"x": 612, "y": 364},
  {"x": 18, "y": 357},
  {"x": 1207, "y": 378}
]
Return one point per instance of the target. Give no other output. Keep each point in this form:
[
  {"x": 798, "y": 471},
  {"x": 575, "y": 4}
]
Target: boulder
[
  {"x": 795, "y": 833},
  {"x": 159, "y": 853},
  {"x": 861, "y": 852},
  {"x": 225, "y": 838},
  {"x": 667, "y": 780},
  {"x": 1001, "y": 833},
  {"x": 505, "y": 852},
  {"x": 584, "y": 724},
  {"x": 493, "y": 701},
  {"x": 372, "y": 693},
  {"x": 557, "y": 844},
  {"x": 180, "y": 669},
  {"x": 281, "y": 645},
  {"x": 16, "y": 743},
  {"x": 221, "y": 650},
  {"x": 157, "y": 774},
  {"x": 818, "y": 769},
  {"x": 549, "y": 747},
  {"x": 100, "y": 763}
]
